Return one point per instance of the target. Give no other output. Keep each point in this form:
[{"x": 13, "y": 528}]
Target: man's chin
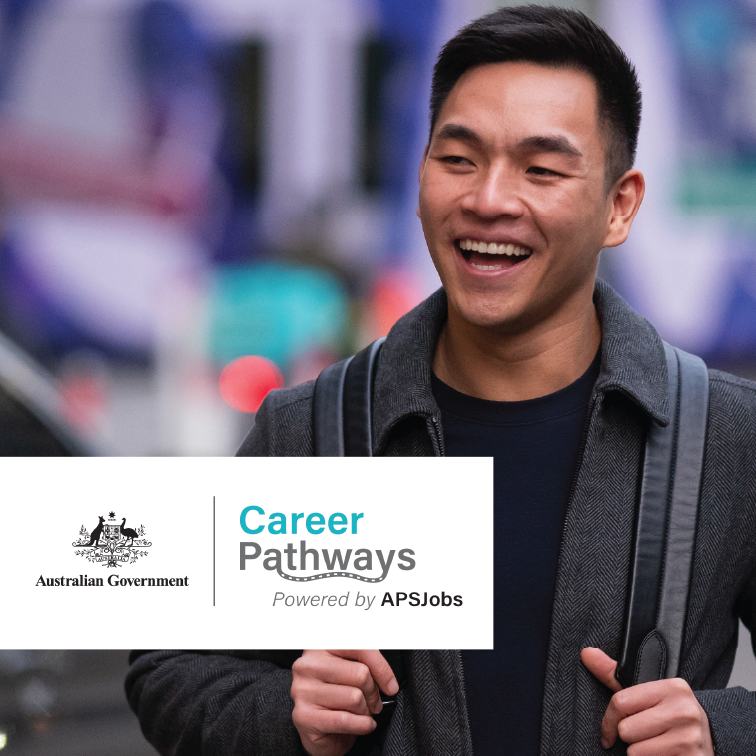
[{"x": 487, "y": 315}]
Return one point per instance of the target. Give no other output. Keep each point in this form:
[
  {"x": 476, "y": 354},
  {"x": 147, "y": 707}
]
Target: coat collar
[
  {"x": 632, "y": 361},
  {"x": 632, "y": 355}
]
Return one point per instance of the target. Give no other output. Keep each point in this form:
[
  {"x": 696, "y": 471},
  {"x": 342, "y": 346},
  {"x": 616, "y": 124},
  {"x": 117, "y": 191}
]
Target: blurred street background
[{"x": 201, "y": 200}]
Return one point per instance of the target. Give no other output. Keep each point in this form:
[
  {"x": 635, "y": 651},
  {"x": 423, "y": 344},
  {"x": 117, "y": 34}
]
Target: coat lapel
[{"x": 589, "y": 601}]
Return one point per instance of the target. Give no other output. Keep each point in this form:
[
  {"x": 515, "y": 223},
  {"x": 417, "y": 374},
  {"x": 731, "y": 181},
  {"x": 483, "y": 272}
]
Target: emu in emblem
[{"x": 128, "y": 532}]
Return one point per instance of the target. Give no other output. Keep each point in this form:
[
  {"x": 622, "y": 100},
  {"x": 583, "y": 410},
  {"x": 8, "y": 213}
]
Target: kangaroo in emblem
[{"x": 94, "y": 539}]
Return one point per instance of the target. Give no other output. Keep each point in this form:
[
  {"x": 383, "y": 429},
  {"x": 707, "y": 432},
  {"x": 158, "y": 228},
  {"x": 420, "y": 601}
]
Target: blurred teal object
[{"x": 275, "y": 311}]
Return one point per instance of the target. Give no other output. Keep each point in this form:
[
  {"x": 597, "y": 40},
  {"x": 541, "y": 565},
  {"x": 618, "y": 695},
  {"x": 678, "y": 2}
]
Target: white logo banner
[{"x": 247, "y": 553}]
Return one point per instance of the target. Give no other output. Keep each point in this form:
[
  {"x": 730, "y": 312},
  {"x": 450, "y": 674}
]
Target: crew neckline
[{"x": 571, "y": 398}]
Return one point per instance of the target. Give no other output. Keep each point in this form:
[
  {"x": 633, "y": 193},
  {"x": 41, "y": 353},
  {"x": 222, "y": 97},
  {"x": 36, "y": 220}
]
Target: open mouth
[{"x": 490, "y": 255}]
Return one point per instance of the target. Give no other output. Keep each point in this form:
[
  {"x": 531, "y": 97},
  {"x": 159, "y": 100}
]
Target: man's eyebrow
[
  {"x": 461, "y": 133},
  {"x": 558, "y": 144},
  {"x": 555, "y": 144}
]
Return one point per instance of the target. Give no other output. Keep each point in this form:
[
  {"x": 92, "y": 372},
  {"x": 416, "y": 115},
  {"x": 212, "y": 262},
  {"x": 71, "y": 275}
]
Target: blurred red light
[
  {"x": 394, "y": 294},
  {"x": 245, "y": 382}
]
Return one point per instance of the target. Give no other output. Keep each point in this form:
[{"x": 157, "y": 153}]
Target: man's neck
[{"x": 510, "y": 367}]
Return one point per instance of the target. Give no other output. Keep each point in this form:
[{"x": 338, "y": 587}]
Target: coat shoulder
[
  {"x": 283, "y": 425},
  {"x": 731, "y": 390},
  {"x": 731, "y": 435}
]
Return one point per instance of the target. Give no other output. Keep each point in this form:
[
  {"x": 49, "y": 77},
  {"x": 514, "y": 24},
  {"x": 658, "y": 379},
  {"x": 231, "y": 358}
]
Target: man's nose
[{"x": 495, "y": 194}]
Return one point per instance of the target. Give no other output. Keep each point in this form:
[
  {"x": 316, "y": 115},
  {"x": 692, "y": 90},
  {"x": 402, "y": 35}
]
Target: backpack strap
[
  {"x": 342, "y": 406},
  {"x": 666, "y": 527},
  {"x": 342, "y": 427}
]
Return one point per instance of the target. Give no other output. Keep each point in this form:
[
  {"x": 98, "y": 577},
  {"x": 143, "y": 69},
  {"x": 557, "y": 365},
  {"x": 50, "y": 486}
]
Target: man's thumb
[{"x": 601, "y": 667}]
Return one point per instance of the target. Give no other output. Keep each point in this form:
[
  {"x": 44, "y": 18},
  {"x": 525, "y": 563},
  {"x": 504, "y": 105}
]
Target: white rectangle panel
[{"x": 413, "y": 567}]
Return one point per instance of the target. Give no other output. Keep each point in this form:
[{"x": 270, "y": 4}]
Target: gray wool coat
[{"x": 238, "y": 702}]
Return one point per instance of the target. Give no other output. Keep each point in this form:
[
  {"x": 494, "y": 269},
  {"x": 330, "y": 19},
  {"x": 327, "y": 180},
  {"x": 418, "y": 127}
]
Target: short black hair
[{"x": 552, "y": 37}]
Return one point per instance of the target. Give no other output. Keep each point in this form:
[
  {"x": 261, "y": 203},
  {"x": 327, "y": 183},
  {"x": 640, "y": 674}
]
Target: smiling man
[
  {"x": 515, "y": 211},
  {"x": 523, "y": 356}
]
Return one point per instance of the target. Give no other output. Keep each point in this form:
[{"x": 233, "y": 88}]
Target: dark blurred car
[{"x": 32, "y": 415}]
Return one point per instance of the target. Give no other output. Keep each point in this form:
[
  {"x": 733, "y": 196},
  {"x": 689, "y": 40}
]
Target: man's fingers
[
  {"x": 334, "y": 696},
  {"x": 343, "y": 698},
  {"x": 610, "y": 724},
  {"x": 380, "y": 669},
  {"x": 644, "y": 725},
  {"x": 346, "y": 723},
  {"x": 655, "y": 718},
  {"x": 626, "y": 703},
  {"x": 663, "y": 744},
  {"x": 338, "y": 671},
  {"x": 356, "y": 674},
  {"x": 315, "y": 668},
  {"x": 601, "y": 666},
  {"x": 672, "y": 743},
  {"x": 324, "y": 722}
]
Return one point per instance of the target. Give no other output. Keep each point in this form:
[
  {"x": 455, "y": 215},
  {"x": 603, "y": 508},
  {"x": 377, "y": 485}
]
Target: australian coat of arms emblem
[{"x": 110, "y": 544}]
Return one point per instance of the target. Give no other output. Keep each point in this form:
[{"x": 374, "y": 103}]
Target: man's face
[{"x": 515, "y": 170}]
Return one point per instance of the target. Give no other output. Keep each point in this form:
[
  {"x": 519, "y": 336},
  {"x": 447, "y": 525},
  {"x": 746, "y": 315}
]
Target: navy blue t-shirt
[{"x": 535, "y": 445}]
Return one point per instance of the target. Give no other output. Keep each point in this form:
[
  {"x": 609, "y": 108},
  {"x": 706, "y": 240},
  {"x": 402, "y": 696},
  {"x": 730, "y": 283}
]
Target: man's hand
[
  {"x": 335, "y": 695},
  {"x": 658, "y": 718}
]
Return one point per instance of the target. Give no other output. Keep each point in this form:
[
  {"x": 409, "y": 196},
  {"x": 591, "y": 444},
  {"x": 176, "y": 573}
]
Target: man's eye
[
  {"x": 538, "y": 171},
  {"x": 455, "y": 160}
]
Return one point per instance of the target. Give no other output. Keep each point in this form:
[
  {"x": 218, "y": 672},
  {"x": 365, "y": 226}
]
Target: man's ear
[
  {"x": 626, "y": 197},
  {"x": 420, "y": 173}
]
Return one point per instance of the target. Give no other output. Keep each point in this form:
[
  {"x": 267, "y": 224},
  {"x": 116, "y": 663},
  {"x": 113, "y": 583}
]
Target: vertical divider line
[{"x": 213, "y": 550}]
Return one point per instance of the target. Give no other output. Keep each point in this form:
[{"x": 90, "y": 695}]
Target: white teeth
[{"x": 510, "y": 250}]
